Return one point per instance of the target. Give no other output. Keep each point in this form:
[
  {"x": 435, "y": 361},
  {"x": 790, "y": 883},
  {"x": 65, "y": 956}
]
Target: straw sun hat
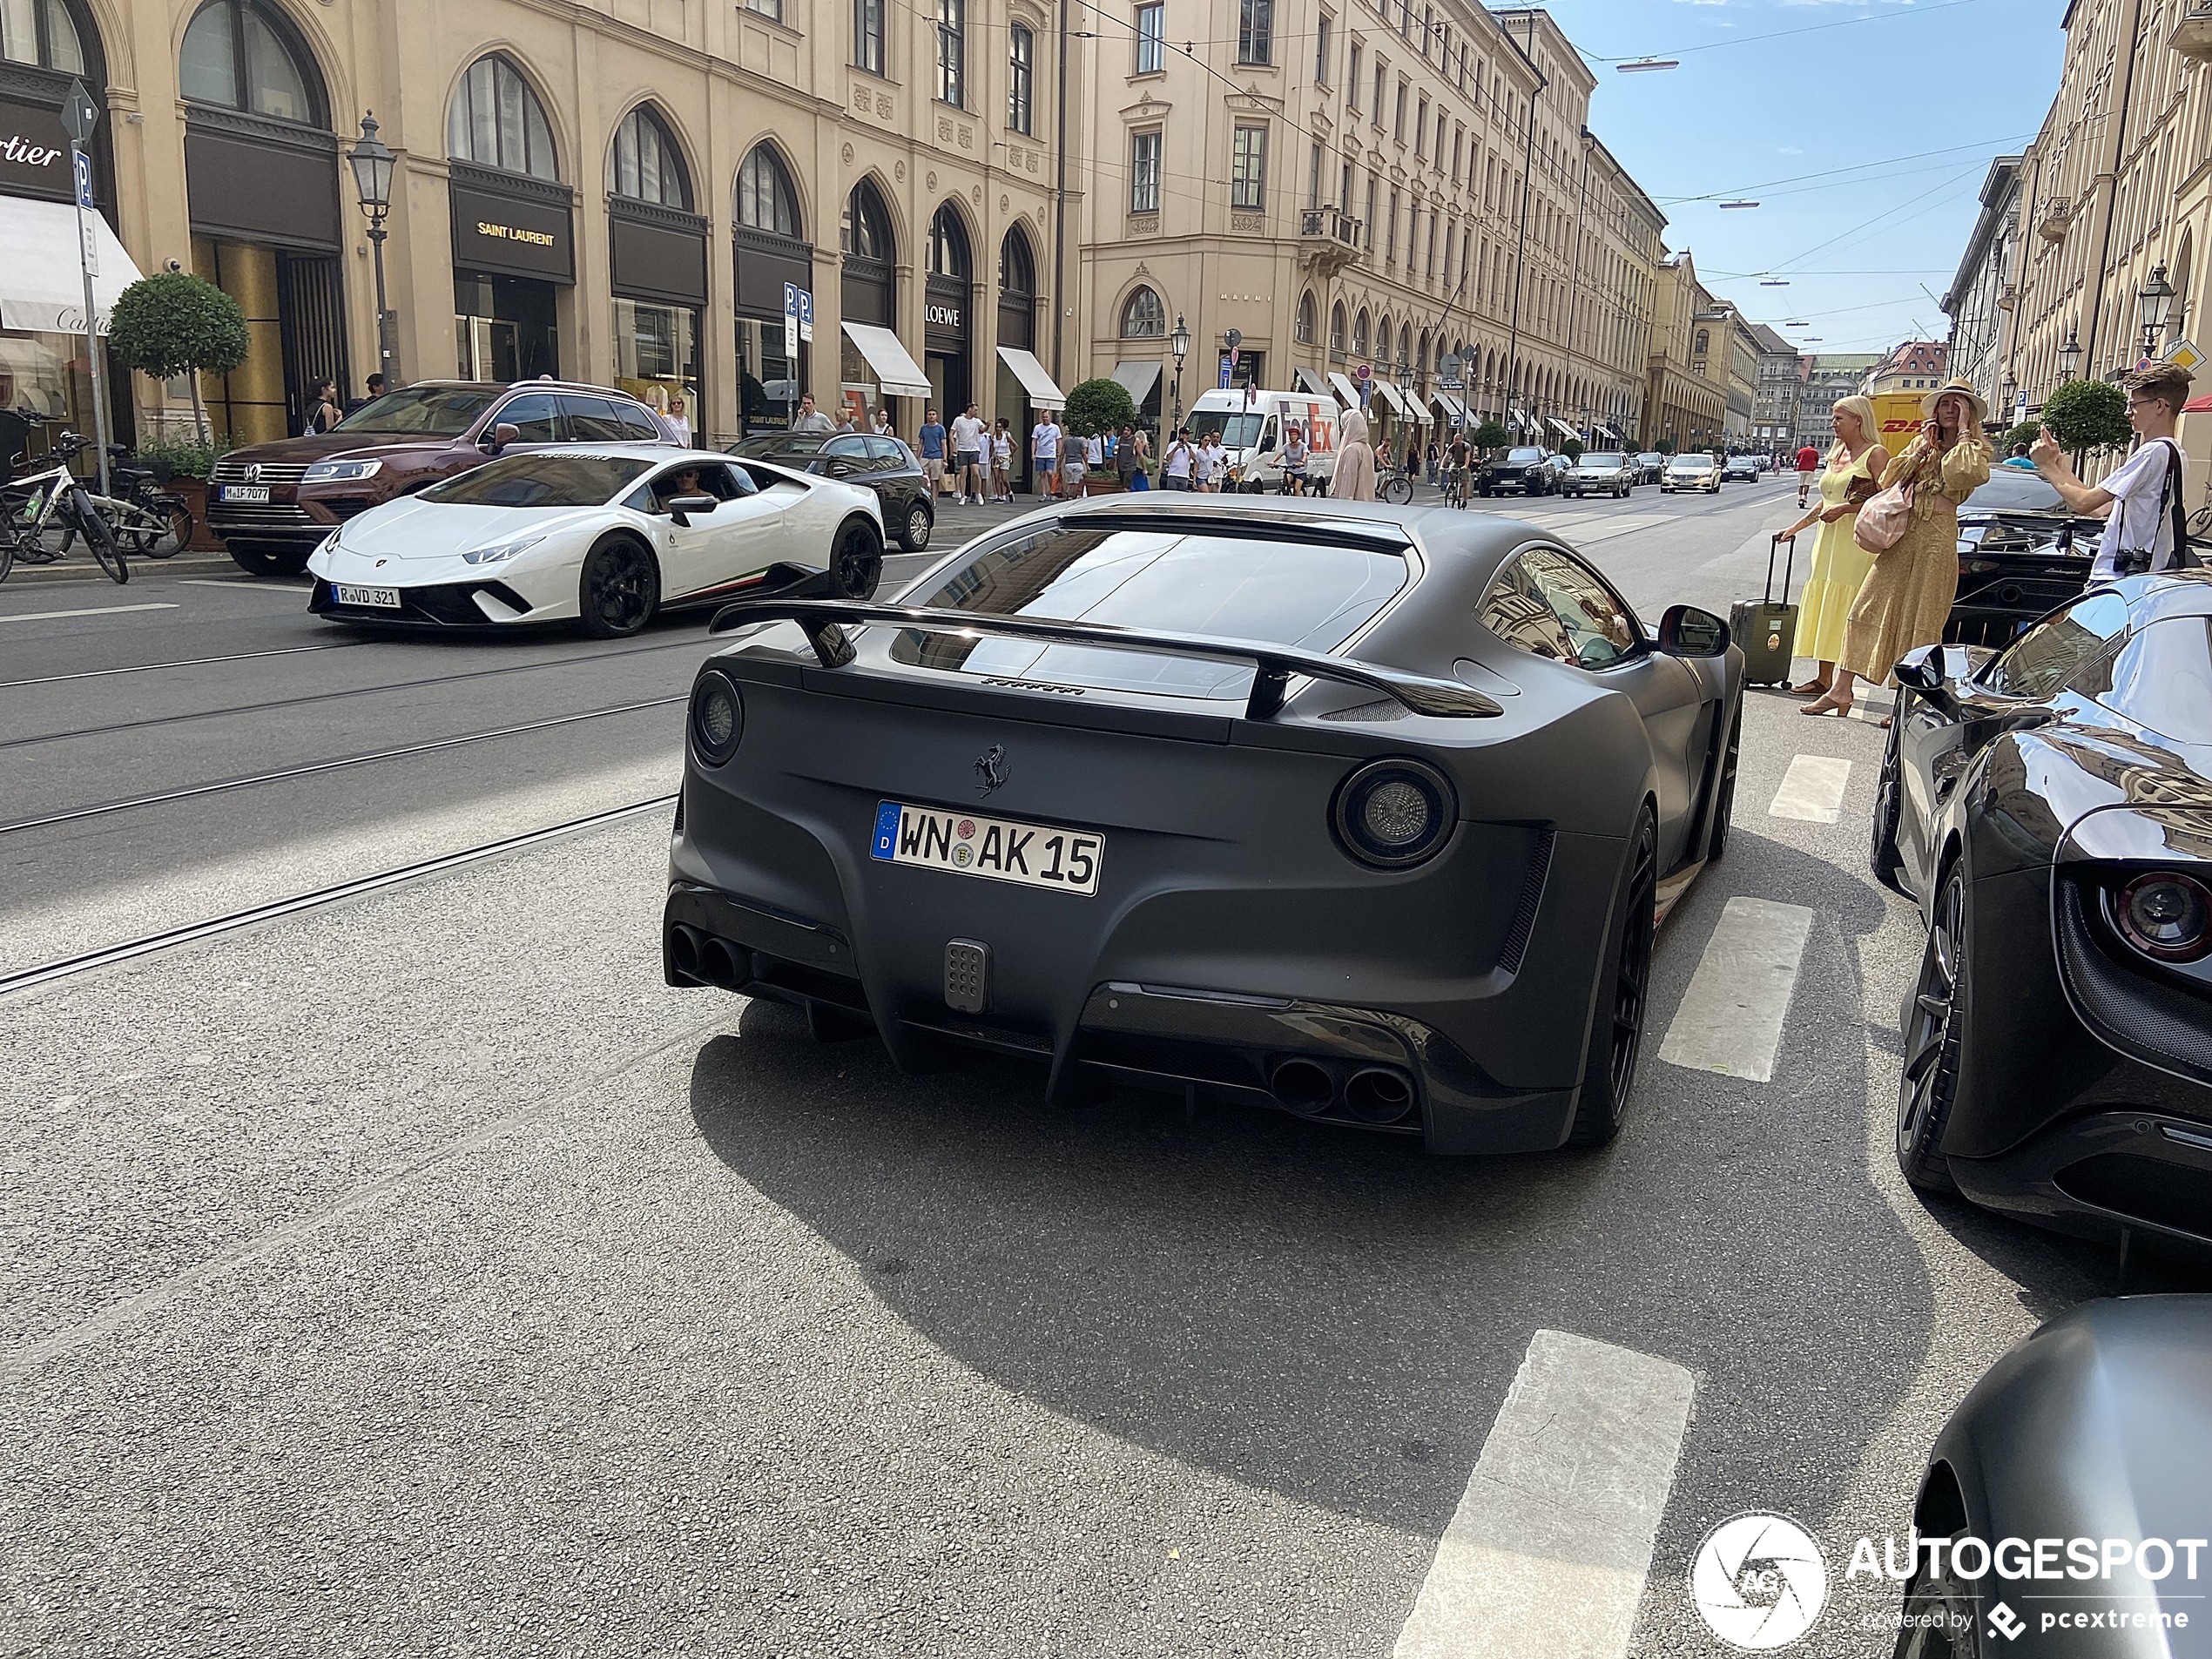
[{"x": 1959, "y": 388}]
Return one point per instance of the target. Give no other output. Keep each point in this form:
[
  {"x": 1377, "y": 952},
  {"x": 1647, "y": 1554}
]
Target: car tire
[
  {"x": 257, "y": 561},
  {"x": 1928, "y": 1082},
  {"x": 618, "y": 590},
  {"x": 1942, "y": 1613},
  {"x": 1889, "y": 807},
  {"x": 1724, "y": 794},
  {"x": 920, "y": 522},
  {"x": 856, "y": 560},
  {"x": 1623, "y": 997}
]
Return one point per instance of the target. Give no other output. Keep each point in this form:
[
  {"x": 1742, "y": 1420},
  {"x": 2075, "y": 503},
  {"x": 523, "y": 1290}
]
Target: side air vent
[{"x": 1524, "y": 914}]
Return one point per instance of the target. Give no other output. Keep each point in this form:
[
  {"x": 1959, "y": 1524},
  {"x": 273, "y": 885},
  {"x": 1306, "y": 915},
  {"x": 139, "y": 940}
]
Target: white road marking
[
  {"x": 288, "y": 589},
  {"x": 98, "y": 610},
  {"x": 1731, "y": 1017},
  {"x": 1812, "y": 789},
  {"x": 1547, "y": 1555}
]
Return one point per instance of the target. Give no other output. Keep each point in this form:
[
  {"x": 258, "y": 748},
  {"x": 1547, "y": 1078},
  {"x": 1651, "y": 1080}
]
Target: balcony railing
[
  {"x": 1329, "y": 225},
  {"x": 2192, "y": 35}
]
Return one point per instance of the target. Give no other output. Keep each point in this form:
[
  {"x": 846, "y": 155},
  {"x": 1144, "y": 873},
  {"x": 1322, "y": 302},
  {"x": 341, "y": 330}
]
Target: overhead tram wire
[{"x": 1778, "y": 34}]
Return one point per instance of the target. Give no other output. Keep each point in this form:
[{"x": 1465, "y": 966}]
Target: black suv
[
  {"x": 1528, "y": 470},
  {"x": 885, "y": 465}
]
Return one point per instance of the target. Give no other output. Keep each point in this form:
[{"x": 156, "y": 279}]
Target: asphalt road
[{"x": 417, "y": 1273}]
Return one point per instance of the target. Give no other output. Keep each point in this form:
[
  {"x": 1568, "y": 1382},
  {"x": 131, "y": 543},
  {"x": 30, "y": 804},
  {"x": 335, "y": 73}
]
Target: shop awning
[
  {"x": 1561, "y": 427},
  {"x": 1346, "y": 392},
  {"x": 1453, "y": 409},
  {"x": 1306, "y": 380},
  {"x": 1043, "y": 394},
  {"x": 1518, "y": 421},
  {"x": 1136, "y": 379},
  {"x": 898, "y": 374},
  {"x": 41, "y": 287},
  {"x": 1391, "y": 400},
  {"x": 1612, "y": 434}
]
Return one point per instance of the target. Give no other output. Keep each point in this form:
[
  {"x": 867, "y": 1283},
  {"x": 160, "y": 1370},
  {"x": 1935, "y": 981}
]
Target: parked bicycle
[
  {"x": 54, "y": 499},
  {"x": 147, "y": 520},
  {"x": 1396, "y": 486}
]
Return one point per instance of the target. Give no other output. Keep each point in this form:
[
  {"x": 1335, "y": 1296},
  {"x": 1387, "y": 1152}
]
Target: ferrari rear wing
[{"x": 821, "y": 620}]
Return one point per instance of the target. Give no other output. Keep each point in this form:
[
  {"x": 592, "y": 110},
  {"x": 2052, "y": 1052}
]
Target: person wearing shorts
[
  {"x": 932, "y": 438},
  {"x": 1073, "y": 467},
  {"x": 1044, "y": 449},
  {"x": 968, "y": 433},
  {"x": 1294, "y": 461},
  {"x": 1808, "y": 466},
  {"x": 1002, "y": 443},
  {"x": 1180, "y": 461}
]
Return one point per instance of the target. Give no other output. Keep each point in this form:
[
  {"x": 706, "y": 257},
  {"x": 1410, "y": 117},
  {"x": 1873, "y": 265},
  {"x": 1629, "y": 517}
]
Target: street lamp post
[
  {"x": 2154, "y": 302},
  {"x": 372, "y": 166},
  {"x": 2070, "y": 358},
  {"x": 1179, "y": 343},
  {"x": 2011, "y": 394}
]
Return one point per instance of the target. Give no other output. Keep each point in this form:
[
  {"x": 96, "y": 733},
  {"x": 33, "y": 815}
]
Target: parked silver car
[{"x": 1605, "y": 474}]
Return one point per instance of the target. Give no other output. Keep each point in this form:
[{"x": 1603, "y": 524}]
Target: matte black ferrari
[
  {"x": 1357, "y": 811},
  {"x": 2051, "y": 806}
]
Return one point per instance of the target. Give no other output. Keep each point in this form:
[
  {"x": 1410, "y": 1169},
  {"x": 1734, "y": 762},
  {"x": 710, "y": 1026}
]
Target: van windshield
[{"x": 1239, "y": 428}]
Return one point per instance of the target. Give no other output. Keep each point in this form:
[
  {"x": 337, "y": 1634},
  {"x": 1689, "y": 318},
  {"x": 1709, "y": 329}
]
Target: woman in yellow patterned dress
[
  {"x": 1906, "y": 597},
  {"x": 1839, "y": 564}
]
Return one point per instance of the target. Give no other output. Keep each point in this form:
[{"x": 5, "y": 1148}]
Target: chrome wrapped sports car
[
  {"x": 2067, "y": 1503},
  {"x": 2051, "y": 806},
  {"x": 1353, "y": 811},
  {"x": 604, "y": 536}
]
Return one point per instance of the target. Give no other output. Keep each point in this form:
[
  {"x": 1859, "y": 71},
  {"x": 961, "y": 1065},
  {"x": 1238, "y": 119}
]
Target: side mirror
[
  {"x": 681, "y": 508},
  {"x": 1925, "y": 670},
  {"x": 1687, "y": 631},
  {"x": 501, "y": 436}
]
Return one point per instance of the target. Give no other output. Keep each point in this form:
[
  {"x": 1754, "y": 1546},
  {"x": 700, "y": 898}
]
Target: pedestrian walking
[
  {"x": 1002, "y": 443},
  {"x": 2144, "y": 494},
  {"x": 883, "y": 422},
  {"x": 1435, "y": 460},
  {"x": 1141, "y": 478},
  {"x": 1044, "y": 453},
  {"x": 1212, "y": 461},
  {"x": 1094, "y": 459},
  {"x": 1906, "y": 597},
  {"x": 1126, "y": 464},
  {"x": 1355, "y": 474},
  {"x": 1839, "y": 564},
  {"x": 323, "y": 412},
  {"x": 1179, "y": 466},
  {"x": 932, "y": 438},
  {"x": 968, "y": 454},
  {"x": 1073, "y": 466},
  {"x": 810, "y": 419},
  {"x": 1808, "y": 464}
]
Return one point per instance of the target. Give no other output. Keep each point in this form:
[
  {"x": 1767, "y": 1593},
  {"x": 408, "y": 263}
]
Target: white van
[{"x": 1254, "y": 426}]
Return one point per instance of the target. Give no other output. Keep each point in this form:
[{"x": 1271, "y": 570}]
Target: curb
[{"x": 80, "y": 566}]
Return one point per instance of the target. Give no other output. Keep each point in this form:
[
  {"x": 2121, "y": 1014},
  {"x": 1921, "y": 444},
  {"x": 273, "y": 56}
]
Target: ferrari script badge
[{"x": 990, "y": 769}]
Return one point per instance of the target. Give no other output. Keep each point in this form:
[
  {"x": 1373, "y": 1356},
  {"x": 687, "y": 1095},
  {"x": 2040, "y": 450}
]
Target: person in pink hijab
[{"x": 1355, "y": 476}]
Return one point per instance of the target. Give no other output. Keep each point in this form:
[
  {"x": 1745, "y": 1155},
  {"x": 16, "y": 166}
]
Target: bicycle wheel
[
  {"x": 7, "y": 550},
  {"x": 136, "y": 529},
  {"x": 1398, "y": 490},
  {"x": 85, "y": 518},
  {"x": 180, "y": 525}
]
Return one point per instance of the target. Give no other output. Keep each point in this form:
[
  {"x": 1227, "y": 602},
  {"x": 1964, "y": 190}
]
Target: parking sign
[
  {"x": 791, "y": 320},
  {"x": 805, "y": 316}
]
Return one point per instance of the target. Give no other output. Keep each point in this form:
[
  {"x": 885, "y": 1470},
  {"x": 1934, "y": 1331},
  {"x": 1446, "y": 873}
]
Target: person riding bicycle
[
  {"x": 1295, "y": 455},
  {"x": 1456, "y": 466}
]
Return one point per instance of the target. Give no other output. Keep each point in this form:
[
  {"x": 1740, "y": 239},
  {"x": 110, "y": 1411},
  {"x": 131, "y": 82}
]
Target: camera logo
[{"x": 1759, "y": 1581}]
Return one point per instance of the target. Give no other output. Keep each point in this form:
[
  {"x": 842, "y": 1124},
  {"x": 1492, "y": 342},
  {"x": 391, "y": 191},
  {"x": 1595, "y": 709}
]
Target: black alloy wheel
[
  {"x": 916, "y": 537},
  {"x": 856, "y": 560},
  {"x": 1929, "y": 1081},
  {"x": 1725, "y": 793},
  {"x": 1888, "y": 805},
  {"x": 1942, "y": 1614},
  {"x": 258, "y": 561},
  {"x": 620, "y": 589},
  {"x": 1617, "y": 1029}
]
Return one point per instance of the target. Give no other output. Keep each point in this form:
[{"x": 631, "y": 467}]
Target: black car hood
[{"x": 2099, "y": 1425}]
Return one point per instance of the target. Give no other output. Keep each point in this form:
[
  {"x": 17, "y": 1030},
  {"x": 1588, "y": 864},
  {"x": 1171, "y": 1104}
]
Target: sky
[{"x": 1868, "y": 249}]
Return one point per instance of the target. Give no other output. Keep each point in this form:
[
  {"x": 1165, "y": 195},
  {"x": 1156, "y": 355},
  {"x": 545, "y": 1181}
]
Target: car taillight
[
  {"x": 718, "y": 718},
  {"x": 2166, "y": 915},
  {"x": 1394, "y": 813}
]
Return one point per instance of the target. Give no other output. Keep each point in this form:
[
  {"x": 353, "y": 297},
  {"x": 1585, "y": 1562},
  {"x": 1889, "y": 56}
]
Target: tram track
[
  {"x": 340, "y": 763},
  {"x": 164, "y": 939}
]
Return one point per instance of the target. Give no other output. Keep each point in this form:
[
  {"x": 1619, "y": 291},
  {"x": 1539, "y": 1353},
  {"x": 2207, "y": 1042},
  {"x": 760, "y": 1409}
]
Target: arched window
[
  {"x": 1382, "y": 347},
  {"x": 865, "y": 233},
  {"x": 1360, "y": 333},
  {"x": 1336, "y": 329},
  {"x": 948, "y": 245},
  {"x": 766, "y": 200},
  {"x": 241, "y": 57},
  {"x": 647, "y": 165},
  {"x": 1304, "y": 329},
  {"x": 1405, "y": 346},
  {"x": 1703, "y": 341},
  {"x": 42, "y": 32},
  {"x": 1144, "y": 317},
  {"x": 496, "y": 121},
  {"x": 1017, "y": 265}
]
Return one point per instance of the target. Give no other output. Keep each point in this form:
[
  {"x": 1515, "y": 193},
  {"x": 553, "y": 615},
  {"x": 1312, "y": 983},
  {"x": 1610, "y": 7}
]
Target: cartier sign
[{"x": 34, "y": 150}]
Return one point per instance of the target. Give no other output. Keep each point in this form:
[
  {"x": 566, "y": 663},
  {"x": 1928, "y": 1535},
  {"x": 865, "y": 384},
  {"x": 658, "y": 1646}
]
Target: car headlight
[
  {"x": 324, "y": 472},
  {"x": 500, "y": 550},
  {"x": 718, "y": 718},
  {"x": 2166, "y": 915},
  {"x": 1394, "y": 813}
]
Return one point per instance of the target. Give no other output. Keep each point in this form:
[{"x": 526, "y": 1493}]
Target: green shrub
[
  {"x": 2089, "y": 414},
  {"x": 1099, "y": 405},
  {"x": 2026, "y": 432},
  {"x": 1491, "y": 435},
  {"x": 184, "y": 457},
  {"x": 174, "y": 323},
  {"x": 1572, "y": 448}
]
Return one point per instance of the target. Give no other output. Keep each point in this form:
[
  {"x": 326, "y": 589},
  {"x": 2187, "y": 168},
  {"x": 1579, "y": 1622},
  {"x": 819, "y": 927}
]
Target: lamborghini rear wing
[{"x": 821, "y": 620}]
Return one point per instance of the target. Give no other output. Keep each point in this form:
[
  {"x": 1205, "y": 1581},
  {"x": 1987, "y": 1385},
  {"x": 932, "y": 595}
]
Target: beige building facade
[
  {"x": 1686, "y": 393},
  {"x": 1361, "y": 192},
  {"x": 616, "y": 192}
]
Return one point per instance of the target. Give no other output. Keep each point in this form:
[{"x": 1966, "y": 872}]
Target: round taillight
[
  {"x": 718, "y": 718},
  {"x": 2166, "y": 915},
  {"x": 1393, "y": 813}
]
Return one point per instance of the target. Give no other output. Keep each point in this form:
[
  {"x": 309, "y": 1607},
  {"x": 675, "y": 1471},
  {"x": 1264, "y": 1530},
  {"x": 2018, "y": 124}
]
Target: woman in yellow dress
[
  {"x": 1906, "y": 597},
  {"x": 1839, "y": 564}
]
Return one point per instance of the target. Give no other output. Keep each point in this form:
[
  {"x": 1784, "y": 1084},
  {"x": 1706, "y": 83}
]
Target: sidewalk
[{"x": 80, "y": 566}]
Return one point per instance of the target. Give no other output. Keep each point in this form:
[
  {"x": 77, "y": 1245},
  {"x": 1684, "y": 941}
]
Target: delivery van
[{"x": 1255, "y": 425}]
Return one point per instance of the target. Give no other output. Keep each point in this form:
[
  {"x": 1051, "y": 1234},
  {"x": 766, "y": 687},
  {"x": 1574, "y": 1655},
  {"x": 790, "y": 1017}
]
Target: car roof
[
  {"x": 658, "y": 454},
  {"x": 2174, "y": 593},
  {"x": 518, "y": 386}
]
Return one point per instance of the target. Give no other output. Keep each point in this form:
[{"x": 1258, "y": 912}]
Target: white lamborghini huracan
[{"x": 604, "y": 536}]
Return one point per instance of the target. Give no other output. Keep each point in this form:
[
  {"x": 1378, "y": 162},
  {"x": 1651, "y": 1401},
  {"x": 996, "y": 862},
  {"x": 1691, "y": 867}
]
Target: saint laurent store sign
[{"x": 506, "y": 224}]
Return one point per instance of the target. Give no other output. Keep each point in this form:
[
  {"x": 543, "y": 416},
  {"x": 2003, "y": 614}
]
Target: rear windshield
[
  {"x": 1281, "y": 593},
  {"x": 1238, "y": 429},
  {"x": 429, "y": 411},
  {"x": 541, "y": 478}
]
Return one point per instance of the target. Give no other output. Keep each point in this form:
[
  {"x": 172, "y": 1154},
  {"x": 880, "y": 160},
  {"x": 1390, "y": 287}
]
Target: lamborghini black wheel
[
  {"x": 619, "y": 590},
  {"x": 1929, "y": 1081},
  {"x": 1881, "y": 851},
  {"x": 1617, "y": 1029},
  {"x": 856, "y": 561},
  {"x": 1724, "y": 792}
]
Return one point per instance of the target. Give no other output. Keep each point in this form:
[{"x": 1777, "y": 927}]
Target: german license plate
[
  {"x": 1000, "y": 849},
  {"x": 385, "y": 598},
  {"x": 245, "y": 492}
]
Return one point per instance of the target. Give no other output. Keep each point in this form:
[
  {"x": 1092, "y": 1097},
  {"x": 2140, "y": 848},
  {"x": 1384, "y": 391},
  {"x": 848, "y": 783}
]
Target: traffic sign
[
  {"x": 1233, "y": 338},
  {"x": 83, "y": 177},
  {"x": 806, "y": 316},
  {"x": 79, "y": 114},
  {"x": 2184, "y": 355},
  {"x": 1228, "y": 362},
  {"x": 1361, "y": 373},
  {"x": 791, "y": 320}
]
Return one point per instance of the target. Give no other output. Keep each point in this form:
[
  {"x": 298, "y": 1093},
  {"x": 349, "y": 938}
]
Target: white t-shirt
[
  {"x": 1179, "y": 460},
  {"x": 1003, "y": 449},
  {"x": 968, "y": 434},
  {"x": 2142, "y": 514},
  {"x": 1095, "y": 452},
  {"x": 1211, "y": 461},
  {"x": 1044, "y": 441}
]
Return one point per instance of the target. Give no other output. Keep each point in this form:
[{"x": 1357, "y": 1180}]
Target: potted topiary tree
[
  {"x": 2088, "y": 414},
  {"x": 1491, "y": 435},
  {"x": 1094, "y": 408},
  {"x": 174, "y": 323}
]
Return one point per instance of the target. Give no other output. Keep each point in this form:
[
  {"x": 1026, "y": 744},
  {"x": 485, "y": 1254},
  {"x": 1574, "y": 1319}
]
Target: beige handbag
[{"x": 1882, "y": 521}]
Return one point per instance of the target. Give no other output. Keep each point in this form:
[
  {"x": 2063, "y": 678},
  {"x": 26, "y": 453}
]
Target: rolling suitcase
[{"x": 1767, "y": 631}]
